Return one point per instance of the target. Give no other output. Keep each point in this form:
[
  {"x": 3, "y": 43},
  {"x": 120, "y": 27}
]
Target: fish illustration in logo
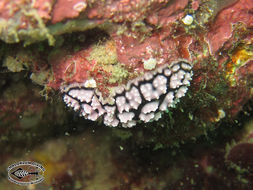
[
  {"x": 20, "y": 173},
  {"x": 26, "y": 173}
]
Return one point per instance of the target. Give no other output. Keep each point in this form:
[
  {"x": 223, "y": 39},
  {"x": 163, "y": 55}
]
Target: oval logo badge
[{"x": 26, "y": 173}]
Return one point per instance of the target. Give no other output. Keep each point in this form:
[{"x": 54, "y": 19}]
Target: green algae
[
  {"x": 41, "y": 77},
  {"x": 8, "y": 29},
  {"x": 13, "y": 64},
  {"x": 118, "y": 74},
  {"x": 12, "y": 34},
  {"x": 103, "y": 54},
  {"x": 41, "y": 31},
  {"x": 72, "y": 26}
]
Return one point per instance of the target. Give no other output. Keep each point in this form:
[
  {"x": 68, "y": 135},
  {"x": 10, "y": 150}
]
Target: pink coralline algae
[
  {"x": 109, "y": 44},
  {"x": 222, "y": 29},
  {"x": 170, "y": 71},
  {"x": 68, "y": 9},
  {"x": 150, "y": 36}
]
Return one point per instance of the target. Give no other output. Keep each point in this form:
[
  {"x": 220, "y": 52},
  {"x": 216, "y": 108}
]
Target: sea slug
[{"x": 143, "y": 98}]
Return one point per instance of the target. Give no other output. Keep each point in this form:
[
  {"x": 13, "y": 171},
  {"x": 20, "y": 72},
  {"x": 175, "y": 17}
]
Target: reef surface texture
[
  {"x": 188, "y": 63},
  {"x": 114, "y": 42},
  {"x": 104, "y": 56}
]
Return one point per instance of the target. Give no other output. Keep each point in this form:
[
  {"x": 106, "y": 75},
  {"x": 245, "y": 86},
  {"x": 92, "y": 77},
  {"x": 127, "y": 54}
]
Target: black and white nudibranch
[{"x": 143, "y": 98}]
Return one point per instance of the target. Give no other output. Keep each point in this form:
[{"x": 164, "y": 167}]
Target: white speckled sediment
[{"x": 143, "y": 98}]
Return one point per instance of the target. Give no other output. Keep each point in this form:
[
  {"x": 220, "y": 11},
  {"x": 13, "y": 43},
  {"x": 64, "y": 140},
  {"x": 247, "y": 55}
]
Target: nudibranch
[{"x": 143, "y": 98}]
